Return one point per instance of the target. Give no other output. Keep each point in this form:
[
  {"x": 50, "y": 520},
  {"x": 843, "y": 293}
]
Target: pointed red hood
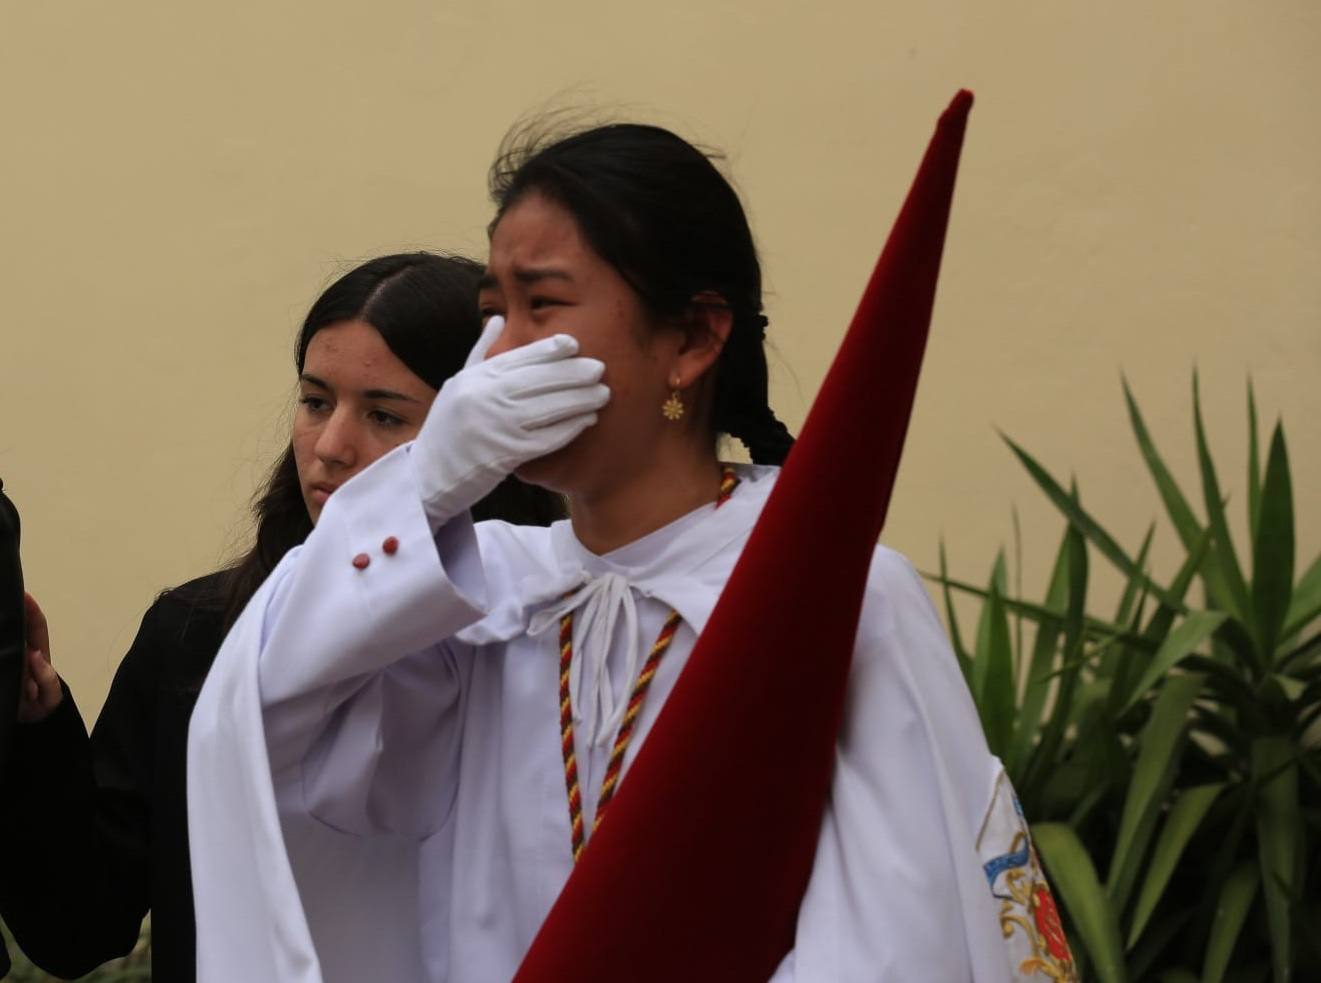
[{"x": 699, "y": 869}]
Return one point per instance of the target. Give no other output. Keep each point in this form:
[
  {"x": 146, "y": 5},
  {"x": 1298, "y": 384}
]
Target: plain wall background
[{"x": 1139, "y": 192}]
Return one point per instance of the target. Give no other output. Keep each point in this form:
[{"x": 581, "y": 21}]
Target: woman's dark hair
[
  {"x": 657, "y": 209},
  {"x": 425, "y": 308}
]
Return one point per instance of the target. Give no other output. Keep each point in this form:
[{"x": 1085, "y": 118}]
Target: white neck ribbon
[{"x": 597, "y": 606}]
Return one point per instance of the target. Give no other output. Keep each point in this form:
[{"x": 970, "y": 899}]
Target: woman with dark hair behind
[{"x": 103, "y": 824}]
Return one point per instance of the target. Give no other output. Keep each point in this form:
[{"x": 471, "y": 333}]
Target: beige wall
[{"x": 1139, "y": 192}]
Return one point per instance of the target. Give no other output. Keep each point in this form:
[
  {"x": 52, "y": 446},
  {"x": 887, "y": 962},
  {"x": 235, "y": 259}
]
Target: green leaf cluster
[{"x": 1167, "y": 751}]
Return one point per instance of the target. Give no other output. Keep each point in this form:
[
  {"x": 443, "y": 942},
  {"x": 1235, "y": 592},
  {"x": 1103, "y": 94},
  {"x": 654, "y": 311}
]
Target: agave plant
[{"x": 1171, "y": 745}]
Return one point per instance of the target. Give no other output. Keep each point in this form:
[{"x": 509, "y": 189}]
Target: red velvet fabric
[{"x": 699, "y": 869}]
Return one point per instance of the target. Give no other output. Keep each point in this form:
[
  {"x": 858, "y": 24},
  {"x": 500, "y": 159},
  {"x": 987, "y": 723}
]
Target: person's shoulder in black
[
  {"x": 115, "y": 803},
  {"x": 12, "y": 648},
  {"x": 12, "y": 644},
  {"x": 188, "y": 622}
]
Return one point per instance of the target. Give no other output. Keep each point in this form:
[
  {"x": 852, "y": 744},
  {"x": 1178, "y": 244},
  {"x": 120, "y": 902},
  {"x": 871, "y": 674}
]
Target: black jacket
[
  {"x": 11, "y": 622},
  {"x": 107, "y": 815},
  {"x": 11, "y": 648}
]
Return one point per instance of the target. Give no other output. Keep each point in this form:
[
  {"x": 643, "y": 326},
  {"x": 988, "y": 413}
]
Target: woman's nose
[
  {"x": 337, "y": 444},
  {"x": 516, "y": 334}
]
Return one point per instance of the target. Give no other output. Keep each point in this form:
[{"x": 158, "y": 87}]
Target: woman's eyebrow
[
  {"x": 387, "y": 394},
  {"x": 533, "y": 274},
  {"x": 312, "y": 380},
  {"x": 526, "y": 275}
]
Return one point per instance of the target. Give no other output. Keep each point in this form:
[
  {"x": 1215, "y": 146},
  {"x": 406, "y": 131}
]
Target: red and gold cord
[{"x": 728, "y": 481}]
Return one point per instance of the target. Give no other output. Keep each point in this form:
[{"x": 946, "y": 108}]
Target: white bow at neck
[{"x": 596, "y": 605}]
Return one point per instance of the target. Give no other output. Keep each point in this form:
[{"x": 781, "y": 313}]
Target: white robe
[{"x": 375, "y": 782}]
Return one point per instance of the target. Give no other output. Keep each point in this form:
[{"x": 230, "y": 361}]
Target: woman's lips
[{"x": 321, "y": 491}]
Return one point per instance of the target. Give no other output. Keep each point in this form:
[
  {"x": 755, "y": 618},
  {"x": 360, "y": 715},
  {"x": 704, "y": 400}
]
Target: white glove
[{"x": 499, "y": 413}]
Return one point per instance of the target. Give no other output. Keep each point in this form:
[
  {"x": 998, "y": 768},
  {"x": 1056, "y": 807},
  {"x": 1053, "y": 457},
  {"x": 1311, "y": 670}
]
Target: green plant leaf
[
  {"x": 1155, "y": 940},
  {"x": 1088, "y": 804},
  {"x": 1181, "y": 516},
  {"x": 1099, "y": 648},
  {"x": 996, "y": 584},
  {"x": 1134, "y": 628},
  {"x": 956, "y": 640},
  {"x": 1158, "y": 758},
  {"x": 1225, "y": 685},
  {"x": 1074, "y": 877},
  {"x": 1279, "y": 835},
  {"x": 1184, "y": 817},
  {"x": 1192, "y": 632},
  {"x": 1222, "y": 728},
  {"x": 1133, "y": 588},
  {"x": 1231, "y": 911},
  {"x": 1272, "y": 562},
  {"x": 1176, "y": 506},
  {"x": 1075, "y": 551},
  {"x": 997, "y": 686},
  {"x": 1094, "y": 628},
  {"x": 1018, "y": 588},
  {"x": 1236, "y": 600},
  {"x": 1306, "y": 603},
  {"x": 1312, "y": 765},
  {"x": 1088, "y": 526},
  {"x": 1293, "y": 689},
  {"x": 1044, "y": 647},
  {"x": 1254, "y": 467},
  {"x": 1234, "y": 645},
  {"x": 1306, "y": 672},
  {"x": 1309, "y": 698},
  {"x": 1122, "y": 667},
  {"x": 1305, "y": 721},
  {"x": 1165, "y": 614},
  {"x": 981, "y": 644},
  {"x": 1198, "y": 550},
  {"x": 1300, "y": 661},
  {"x": 1233, "y": 820},
  {"x": 1158, "y": 628}
]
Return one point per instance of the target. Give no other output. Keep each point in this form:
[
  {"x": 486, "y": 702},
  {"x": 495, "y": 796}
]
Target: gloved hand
[{"x": 499, "y": 413}]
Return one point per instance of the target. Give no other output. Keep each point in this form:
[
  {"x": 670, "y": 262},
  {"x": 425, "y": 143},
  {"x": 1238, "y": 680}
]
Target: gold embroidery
[{"x": 1031, "y": 909}]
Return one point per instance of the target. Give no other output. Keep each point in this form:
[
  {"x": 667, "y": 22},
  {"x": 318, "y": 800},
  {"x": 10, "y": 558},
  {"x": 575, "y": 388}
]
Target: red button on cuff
[
  {"x": 390, "y": 546},
  {"x": 361, "y": 561}
]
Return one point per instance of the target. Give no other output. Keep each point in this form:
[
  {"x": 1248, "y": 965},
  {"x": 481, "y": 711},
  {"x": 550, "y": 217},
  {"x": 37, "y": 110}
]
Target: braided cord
[
  {"x": 566, "y": 738},
  {"x": 611, "y": 780},
  {"x": 728, "y": 481}
]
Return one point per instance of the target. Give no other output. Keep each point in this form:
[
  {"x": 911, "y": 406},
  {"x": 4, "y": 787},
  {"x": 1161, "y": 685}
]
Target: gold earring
[{"x": 672, "y": 408}]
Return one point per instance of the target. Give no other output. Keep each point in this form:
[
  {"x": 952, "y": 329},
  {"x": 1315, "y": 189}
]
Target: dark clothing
[
  {"x": 12, "y": 645},
  {"x": 103, "y": 822},
  {"x": 105, "y": 819}
]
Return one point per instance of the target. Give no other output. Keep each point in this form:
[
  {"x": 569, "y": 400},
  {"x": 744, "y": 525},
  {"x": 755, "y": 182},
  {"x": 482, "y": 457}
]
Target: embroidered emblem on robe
[{"x": 1033, "y": 933}]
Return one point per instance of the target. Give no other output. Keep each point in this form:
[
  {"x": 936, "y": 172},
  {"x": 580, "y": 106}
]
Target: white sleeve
[
  {"x": 328, "y": 669},
  {"x": 897, "y": 891},
  {"x": 355, "y": 664}
]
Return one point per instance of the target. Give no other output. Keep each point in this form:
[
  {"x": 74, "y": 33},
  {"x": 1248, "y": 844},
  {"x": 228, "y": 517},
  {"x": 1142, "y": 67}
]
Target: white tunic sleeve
[
  {"x": 360, "y": 688},
  {"x": 330, "y": 667},
  {"x": 897, "y": 890}
]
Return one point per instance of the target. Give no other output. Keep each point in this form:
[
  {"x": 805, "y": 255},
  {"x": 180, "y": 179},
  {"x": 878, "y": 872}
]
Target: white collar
[{"x": 667, "y": 564}]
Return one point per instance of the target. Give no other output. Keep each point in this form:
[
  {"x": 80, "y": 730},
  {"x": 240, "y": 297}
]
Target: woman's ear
[{"x": 710, "y": 320}]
